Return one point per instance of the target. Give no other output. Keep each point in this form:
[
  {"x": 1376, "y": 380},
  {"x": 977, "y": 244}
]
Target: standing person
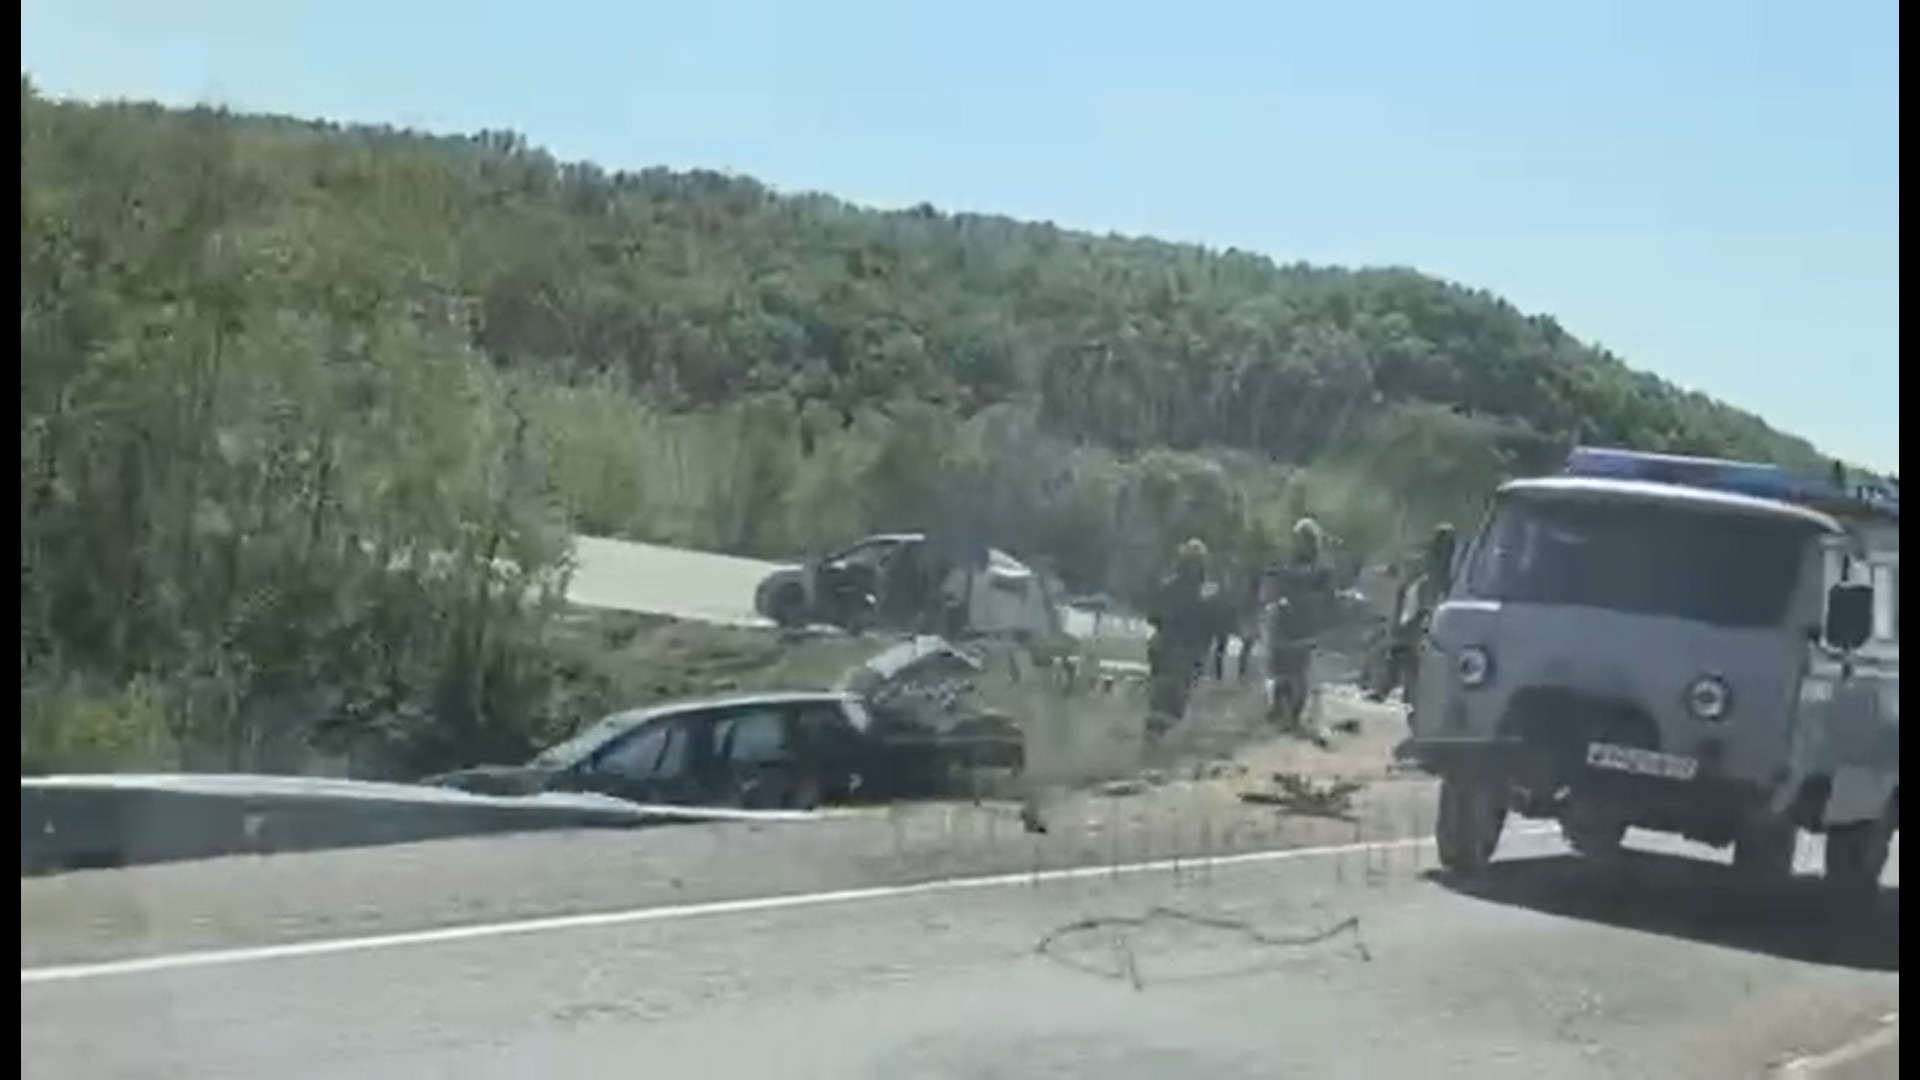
[
  {"x": 1182, "y": 618},
  {"x": 1436, "y": 580},
  {"x": 1441, "y": 547},
  {"x": 1227, "y": 626},
  {"x": 1248, "y": 606},
  {"x": 1301, "y": 610},
  {"x": 956, "y": 557},
  {"x": 903, "y": 583}
]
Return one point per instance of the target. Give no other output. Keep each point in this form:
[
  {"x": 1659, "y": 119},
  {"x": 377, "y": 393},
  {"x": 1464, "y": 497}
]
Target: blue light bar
[{"x": 1752, "y": 479}]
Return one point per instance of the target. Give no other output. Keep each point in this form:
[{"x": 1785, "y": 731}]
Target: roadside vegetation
[{"x": 308, "y": 413}]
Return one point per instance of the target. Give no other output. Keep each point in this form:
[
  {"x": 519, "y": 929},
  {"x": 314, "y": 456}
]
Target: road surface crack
[{"x": 1121, "y": 934}]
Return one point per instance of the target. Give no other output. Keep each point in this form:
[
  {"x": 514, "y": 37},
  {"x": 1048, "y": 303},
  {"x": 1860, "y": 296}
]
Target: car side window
[
  {"x": 1006, "y": 583},
  {"x": 638, "y": 754},
  {"x": 681, "y": 754},
  {"x": 869, "y": 554},
  {"x": 755, "y": 737}
]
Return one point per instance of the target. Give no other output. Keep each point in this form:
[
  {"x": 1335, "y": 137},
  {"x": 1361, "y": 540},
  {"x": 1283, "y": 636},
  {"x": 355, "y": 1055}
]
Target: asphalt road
[
  {"x": 697, "y": 585},
  {"x": 1312, "y": 965}
]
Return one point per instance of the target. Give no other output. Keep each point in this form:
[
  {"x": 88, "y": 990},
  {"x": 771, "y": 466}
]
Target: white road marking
[
  {"x": 262, "y": 954},
  {"x": 1886, "y": 1033}
]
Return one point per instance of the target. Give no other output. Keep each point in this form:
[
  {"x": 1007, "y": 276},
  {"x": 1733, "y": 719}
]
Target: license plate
[{"x": 1632, "y": 759}]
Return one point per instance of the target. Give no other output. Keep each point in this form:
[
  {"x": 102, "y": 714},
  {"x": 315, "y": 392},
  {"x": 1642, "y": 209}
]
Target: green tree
[{"x": 308, "y": 410}]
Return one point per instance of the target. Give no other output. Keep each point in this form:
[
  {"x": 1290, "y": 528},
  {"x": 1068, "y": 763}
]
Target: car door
[
  {"x": 826, "y": 741},
  {"x": 847, "y": 575},
  {"x": 658, "y": 762},
  {"x": 758, "y": 763}
]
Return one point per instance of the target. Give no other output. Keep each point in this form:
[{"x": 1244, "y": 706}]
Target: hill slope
[{"x": 345, "y": 347}]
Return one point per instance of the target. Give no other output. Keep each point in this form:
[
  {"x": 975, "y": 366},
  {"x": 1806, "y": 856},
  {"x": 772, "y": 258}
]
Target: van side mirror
[{"x": 1849, "y": 621}]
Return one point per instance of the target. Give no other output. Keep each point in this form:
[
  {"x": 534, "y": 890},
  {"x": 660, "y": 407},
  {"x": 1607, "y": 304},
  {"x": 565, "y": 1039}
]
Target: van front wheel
[
  {"x": 1765, "y": 853},
  {"x": 1856, "y": 854},
  {"x": 1473, "y": 814}
]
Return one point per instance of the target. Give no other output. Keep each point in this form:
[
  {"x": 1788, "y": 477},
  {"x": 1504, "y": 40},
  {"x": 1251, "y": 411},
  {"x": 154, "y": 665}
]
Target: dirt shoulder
[{"x": 1187, "y": 810}]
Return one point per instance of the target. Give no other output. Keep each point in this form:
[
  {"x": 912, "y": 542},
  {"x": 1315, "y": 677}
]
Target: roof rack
[{"x": 1836, "y": 493}]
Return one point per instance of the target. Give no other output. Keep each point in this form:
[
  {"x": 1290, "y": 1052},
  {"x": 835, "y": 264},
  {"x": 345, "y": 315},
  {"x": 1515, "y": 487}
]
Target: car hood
[{"x": 496, "y": 779}]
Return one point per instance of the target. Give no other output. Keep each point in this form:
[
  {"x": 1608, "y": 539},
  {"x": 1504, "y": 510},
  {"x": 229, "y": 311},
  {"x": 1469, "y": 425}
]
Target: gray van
[{"x": 1687, "y": 645}]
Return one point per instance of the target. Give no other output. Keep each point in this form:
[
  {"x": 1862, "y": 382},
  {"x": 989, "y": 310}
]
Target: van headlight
[
  {"x": 1708, "y": 698},
  {"x": 1473, "y": 666}
]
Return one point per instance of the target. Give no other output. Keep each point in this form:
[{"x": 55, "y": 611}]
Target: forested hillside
[{"x": 269, "y": 367}]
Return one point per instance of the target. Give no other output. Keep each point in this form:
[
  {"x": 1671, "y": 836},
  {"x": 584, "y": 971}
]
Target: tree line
[{"x": 308, "y": 412}]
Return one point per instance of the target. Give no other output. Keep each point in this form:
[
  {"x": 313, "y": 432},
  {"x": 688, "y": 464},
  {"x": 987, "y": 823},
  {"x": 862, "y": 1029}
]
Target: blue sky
[{"x": 1708, "y": 187}]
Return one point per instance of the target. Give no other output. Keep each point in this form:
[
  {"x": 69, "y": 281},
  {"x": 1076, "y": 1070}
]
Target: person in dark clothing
[
  {"x": 1249, "y": 615},
  {"x": 1301, "y": 609},
  {"x": 1183, "y": 618},
  {"x": 1228, "y": 629},
  {"x": 1436, "y": 580},
  {"x": 904, "y": 587},
  {"x": 1441, "y": 548}
]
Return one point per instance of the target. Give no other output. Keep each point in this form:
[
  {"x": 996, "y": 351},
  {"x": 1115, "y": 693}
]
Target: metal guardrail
[{"x": 86, "y": 822}]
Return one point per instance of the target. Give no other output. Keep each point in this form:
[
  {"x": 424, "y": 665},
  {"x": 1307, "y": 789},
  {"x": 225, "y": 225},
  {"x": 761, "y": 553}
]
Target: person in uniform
[
  {"x": 1301, "y": 609},
  {"x": 1229, "y": 626},
  {"x": 1182, "y": 617},
  {"x": 1436, "y": 580}
]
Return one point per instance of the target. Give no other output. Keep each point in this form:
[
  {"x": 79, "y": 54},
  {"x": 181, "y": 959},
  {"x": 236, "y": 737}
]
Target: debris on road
[{"x": 1304, "y": 796}]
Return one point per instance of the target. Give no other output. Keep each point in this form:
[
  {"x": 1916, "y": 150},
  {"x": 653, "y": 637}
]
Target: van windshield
[{"x": 1725, "y": 569}]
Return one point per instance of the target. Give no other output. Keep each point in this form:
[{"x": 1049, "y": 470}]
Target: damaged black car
[{"x": 900, "y": 727}]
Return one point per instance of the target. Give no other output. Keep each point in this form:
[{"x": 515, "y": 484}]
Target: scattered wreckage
[{"x": 899, "y": 726}]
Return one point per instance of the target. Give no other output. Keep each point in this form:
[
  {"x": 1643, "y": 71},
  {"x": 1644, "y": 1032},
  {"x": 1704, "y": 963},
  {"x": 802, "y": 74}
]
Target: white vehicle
[
  {"x": 1003, "y": 598},
  {"x": 1694, "y": 646}
]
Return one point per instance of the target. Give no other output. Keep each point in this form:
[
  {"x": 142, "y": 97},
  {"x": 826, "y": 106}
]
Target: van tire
[
  {"x": 1765, "y": 852},
  {"x": 1473, "y": 814},
  {"x": 1856, "y": 855}
]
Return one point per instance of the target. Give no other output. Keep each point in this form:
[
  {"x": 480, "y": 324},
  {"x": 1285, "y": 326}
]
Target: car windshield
[
  {"x": 1708, "y": 565},
  {"x": 584, "y": 742},
  {"x": 865, "y": 553}
]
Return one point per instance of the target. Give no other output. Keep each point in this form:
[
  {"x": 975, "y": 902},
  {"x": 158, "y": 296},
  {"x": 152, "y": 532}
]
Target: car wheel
[{"x": 789, "y": 608}]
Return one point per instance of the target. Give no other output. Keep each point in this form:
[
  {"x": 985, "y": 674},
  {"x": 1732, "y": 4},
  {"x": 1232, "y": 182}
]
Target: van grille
[{"x": 1563, "y": 722}]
